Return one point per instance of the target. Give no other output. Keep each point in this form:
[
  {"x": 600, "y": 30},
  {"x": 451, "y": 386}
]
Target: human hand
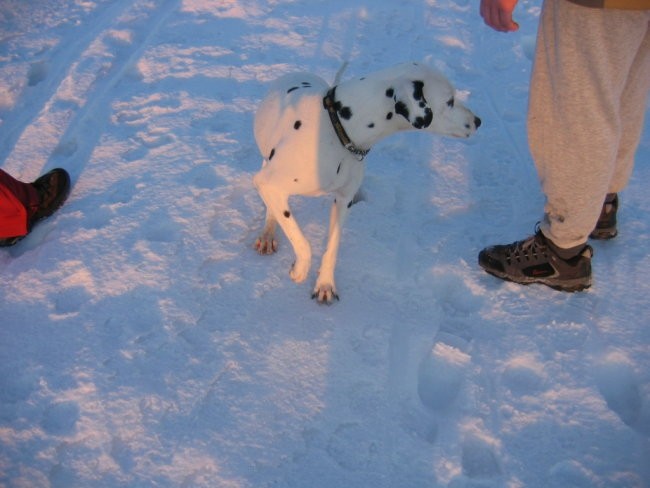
[{"x": 498, "y": 14}]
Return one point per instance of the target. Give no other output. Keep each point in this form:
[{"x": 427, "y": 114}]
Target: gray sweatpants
[{"x": 588, "y": 97}]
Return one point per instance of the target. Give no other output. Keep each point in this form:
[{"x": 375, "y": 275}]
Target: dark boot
[
  {"x": 53, "y": 189},
  {"x": 606, "y": 225},
  {"x": 537, "y": 260}
]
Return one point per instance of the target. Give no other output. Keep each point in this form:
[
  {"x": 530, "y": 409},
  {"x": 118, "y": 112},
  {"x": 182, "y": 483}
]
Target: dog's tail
[{"x": 339, "y": 73}]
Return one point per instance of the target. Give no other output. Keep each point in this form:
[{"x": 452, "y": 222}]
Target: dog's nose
[{"x": 477, "y": 122}]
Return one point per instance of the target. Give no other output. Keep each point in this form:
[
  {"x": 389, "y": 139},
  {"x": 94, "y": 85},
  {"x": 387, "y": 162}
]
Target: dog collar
[{"x": 329, "y": 104}]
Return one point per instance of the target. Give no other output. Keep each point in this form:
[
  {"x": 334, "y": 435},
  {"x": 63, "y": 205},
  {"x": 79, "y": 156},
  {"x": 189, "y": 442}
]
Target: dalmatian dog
[{"x": 314, "y": 137}]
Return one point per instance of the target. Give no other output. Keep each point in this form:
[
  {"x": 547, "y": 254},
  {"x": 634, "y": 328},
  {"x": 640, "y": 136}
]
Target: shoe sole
[
  {"x": 10, "y": 241},
  {"x": 604, "y": 234},
  {"x": 570, "y": 286}
]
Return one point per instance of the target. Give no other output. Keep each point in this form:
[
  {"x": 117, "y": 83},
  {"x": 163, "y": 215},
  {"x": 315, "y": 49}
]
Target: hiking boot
[
  {"x": 52, "y": 188},
  {"x": 606, "y": 225},
  {"x": 9, "y": 241},
  {"x": 536, "y": 260}
]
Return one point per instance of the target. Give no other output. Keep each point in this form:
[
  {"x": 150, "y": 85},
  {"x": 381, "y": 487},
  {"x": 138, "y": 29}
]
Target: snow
[{"x": 143, "y": 342}]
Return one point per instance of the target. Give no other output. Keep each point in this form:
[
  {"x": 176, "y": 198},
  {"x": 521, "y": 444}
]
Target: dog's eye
[{"x": 450, "y": 102}]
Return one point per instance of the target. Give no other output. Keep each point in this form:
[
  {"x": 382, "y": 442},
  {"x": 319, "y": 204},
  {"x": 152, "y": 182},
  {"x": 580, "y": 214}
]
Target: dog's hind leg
[{"x": 278, "y": 212}]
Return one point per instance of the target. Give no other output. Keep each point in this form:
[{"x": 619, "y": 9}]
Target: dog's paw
[
  {"x": 299, "y": 271},
  {"x": 266, "y": 245},
  {"x": 325, "y": 293}
]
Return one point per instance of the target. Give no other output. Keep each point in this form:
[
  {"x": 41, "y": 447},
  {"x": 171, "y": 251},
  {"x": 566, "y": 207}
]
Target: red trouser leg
[{"x": 15, "y": 198}]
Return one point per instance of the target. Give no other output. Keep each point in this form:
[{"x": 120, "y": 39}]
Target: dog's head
[
  {"x": 450, "y": 116},
  {"x": 427, "y": 100}
]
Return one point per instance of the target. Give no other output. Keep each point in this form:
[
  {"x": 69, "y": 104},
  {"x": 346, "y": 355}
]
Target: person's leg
[
  {"x": 586, "y": 61},
  {"x": 23, "y": 204},
  {"x": 633, "y": 102},
  {"x": 16, "y": 198}
]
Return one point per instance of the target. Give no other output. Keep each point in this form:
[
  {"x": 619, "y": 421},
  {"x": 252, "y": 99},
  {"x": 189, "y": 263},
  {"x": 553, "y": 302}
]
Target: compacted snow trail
[
  {"x": 64, "y": 92},
  {"x": 143, "y": 342}
]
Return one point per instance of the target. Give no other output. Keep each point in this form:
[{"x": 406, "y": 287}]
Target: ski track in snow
[{"x": 144, "y": 342}]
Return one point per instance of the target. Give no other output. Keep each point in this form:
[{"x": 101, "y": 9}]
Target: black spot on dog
[
  {"x": 422, "y": 104},
  {"x": 346, "y": 113},
  {"x": 421, "y": 122},
  {"x": 390, "y": 92},
  {"x": 292, "y": 89},
  {"x": 297, "y": 125},
  {"x": 371, "y": 125},
  {"x": 418, "y": 90},
  {"x": 287, "y": 214},
  {"x": 389, "y": 115},
  {"x": 402, "y": 109},
  {"x": 450, "y": 102},
  {"x": 428, "y": 117},
  {"x": 306, "y": 84},
  {"x": 272, "y": 154},
  {"x": 351, "y": 203},
  {"x": 339, "y": 168}
]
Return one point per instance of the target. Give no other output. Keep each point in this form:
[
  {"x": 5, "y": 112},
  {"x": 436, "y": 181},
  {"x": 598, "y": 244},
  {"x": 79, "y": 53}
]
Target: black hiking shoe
[
  {"x": 9, "y": 241},
  {"x": 606, "y": 225},
  {"x": 534, "y": 260},
  {"x": 53, "y": 189}
]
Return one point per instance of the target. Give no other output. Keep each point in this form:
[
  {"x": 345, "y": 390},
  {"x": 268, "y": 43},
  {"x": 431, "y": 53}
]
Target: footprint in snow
[
  {"x": 454, "y": 295},
  {"x": 37, "y": 73},
  {"x": 161, "y": 228},
  {"x": 60, "y": 418},
  {"x": 135, "y": 153},
  {"x": 352, "y": 446},
  {"x": 441, "y": 374},
  {"x": 123, "y": 192},
  {"x": 524, "y": 374},
  {"x": 70, "y": 300},
  {"x": 478, "y": 459},
  {"x": 16, "y": 385},
  {"x": 618, "y": 384},
  {"x": 122, "y": 454},
  {"x": 203, "y": 176}
]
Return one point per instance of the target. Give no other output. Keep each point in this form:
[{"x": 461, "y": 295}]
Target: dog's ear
[{"x": 413, "y": 106}]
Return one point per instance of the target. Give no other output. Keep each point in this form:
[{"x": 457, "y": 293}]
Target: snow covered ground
[{"x": 143, "y": 342}]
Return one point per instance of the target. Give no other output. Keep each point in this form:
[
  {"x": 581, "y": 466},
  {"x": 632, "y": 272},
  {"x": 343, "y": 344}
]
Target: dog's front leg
[
  {"x": 278, "y": 211},
  {"x": 325, "y": 289},
  {"x": 266, "y": 243}
]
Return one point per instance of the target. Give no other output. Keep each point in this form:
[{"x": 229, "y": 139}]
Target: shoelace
[{"x": 526, "y": 250}]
